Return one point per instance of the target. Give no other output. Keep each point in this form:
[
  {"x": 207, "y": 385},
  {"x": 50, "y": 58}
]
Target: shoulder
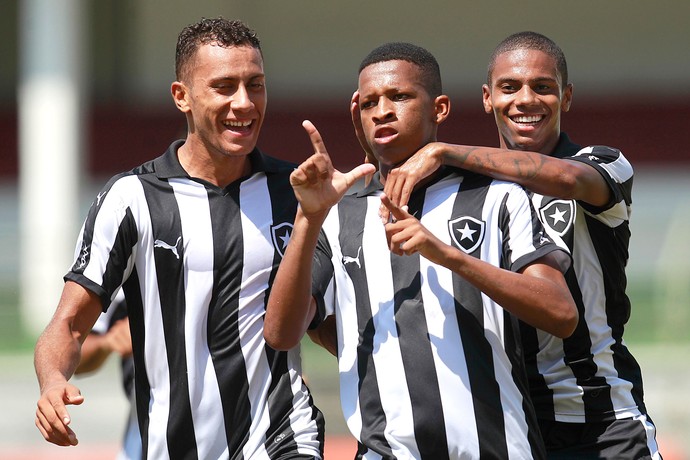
[{"x": 270, "y": 164}]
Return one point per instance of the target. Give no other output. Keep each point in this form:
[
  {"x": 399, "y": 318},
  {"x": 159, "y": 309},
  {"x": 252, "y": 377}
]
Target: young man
[
  {"x": 587, "y": 388},
  {"x": 430, "y": 364},
  {"x": 194, "y": 238}
]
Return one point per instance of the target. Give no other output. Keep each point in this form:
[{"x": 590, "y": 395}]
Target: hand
[
  {"x": 119, "y": 338},
  {"x": 52, "y": 418},
  {"x": 402, "y": 180},
  {"x": 317, "y": 184},
  {"x": 359, "y": 130},
  {"x": 406, "y": 234}
]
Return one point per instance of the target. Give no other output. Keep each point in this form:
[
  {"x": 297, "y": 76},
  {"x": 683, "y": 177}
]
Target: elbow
[
  {"x": 566, "y": 322},
  {"x": 279, "y": 339}
]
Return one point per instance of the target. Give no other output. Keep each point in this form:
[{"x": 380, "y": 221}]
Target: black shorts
[{"x": 631, "y": 438}]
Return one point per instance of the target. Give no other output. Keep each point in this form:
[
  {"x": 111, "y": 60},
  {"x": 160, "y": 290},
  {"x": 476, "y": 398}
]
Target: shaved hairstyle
[
  {"x": 530, "y": 41},
  {"x": 399, "y": 51}
]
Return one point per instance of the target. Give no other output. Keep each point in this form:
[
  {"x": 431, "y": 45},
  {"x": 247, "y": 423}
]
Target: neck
[{"x": 219, "y": 170}]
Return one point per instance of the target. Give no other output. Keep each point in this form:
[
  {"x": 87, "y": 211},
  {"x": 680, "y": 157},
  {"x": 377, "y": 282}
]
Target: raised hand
[
  {"x": 317, "y": 184},
  {"x": 359, "y": 130}
]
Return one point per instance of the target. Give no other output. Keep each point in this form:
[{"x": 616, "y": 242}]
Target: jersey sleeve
[
  {"x": 322, "y": 280},
  {"x": 525, "y": 238},
  {"x": 618, "y": 174},
  {"x": 106, "y": 242}
]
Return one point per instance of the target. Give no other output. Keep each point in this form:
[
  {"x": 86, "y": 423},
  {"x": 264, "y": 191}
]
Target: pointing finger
[
  {"x": 397, "y": 212},
  {"x": 315, "y": 137}
]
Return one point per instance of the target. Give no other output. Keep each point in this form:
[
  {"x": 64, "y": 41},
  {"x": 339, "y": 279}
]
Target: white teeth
[
  {"x": 527, "y": 119},
  {"x": 238, "y": 123}
]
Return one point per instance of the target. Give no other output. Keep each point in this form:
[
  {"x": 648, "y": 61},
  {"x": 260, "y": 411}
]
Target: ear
[
  {"x": 486, "y": 99},
  {"x": 179, "y": 94},
  {"x": 441, "y": 108},
  {"x": 567, "y": 98}
]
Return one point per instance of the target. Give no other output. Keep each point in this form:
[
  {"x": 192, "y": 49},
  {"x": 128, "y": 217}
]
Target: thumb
[
  {"x": 358, "y": 172},
  {"x": 73, "y": 396}
]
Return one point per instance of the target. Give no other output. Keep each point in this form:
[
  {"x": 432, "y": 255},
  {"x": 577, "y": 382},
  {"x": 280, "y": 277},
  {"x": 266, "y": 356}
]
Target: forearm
[
  {"x": 290, "y": 308},
  {"x": 94, "y": 352},
  {"x": 540, "y": 298},
  {"x": 56, "y": 355},
  {"x": 537, "y": 172}
]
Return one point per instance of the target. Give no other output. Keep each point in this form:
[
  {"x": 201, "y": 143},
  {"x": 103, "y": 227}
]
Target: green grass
[{"x": 13, "y": 336}]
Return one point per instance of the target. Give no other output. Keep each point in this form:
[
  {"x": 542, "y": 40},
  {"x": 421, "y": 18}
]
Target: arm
[
  {"x": 97, "y": 347},
  {"x": 56, "y": 357},
  {"x": 318, "y": 186},
  {"x": 537, "y": 295},
  {"x": 539, "y": 173},
  {"x": 325, "y": 335}
]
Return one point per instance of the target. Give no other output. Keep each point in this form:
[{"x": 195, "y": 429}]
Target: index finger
[
  {"x": 397, "y": 212},
  {"x": 315, "y": 137}
]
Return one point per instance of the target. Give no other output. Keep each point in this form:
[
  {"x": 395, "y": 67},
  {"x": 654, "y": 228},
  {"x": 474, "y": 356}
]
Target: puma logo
[
  {"x": 164, "y": 245},
  {"x": 349, "y": 260}
]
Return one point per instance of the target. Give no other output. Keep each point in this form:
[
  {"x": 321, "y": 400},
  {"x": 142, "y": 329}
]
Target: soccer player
[
  {"x": 425, "y": 307},
  {"x": 587, "y": 388},
  {"x": 194, "y": 238}
]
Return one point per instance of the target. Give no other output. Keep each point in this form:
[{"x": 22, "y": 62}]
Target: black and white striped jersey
[
  {"x": 591, "y": 376},
  {"x": 430, "y": 367},
  {"x": 195, "y": 262}
]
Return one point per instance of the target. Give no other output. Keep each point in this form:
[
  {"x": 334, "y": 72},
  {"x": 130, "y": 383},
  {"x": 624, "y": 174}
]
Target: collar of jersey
[{"x": 168, "y": 165}]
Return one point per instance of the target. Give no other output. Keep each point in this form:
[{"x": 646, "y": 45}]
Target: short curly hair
[{"x": 221, "y": 31}]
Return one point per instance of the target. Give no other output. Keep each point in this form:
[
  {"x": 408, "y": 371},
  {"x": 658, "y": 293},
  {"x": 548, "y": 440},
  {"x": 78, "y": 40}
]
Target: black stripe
[
  {"x": 223, "y": 316},
  {"x": 280, "y": 402},
  {"x": 166, "y": 227},
  {"x": 127, "y": 237},
  {"x": 469, "y": 308},
  {"x": 513, "y": 345},
  {"x": 417, "y": 357},
  {"x": 135, "y": 310},
  {"x": 352, "y": 218}
]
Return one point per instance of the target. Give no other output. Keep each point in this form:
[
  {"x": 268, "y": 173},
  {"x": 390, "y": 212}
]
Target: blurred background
[{"x": 84, "y": 93}]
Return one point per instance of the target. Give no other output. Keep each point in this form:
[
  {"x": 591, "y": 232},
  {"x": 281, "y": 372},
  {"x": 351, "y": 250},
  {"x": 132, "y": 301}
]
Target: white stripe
[
  {"x": 204, "y": 393},
  {"x": 521, "y": 242},
  {"x": 346, "y": 326},
  {"x": 650, "y": 432},
  {"x": 393, "y": 390},
  {"x": 256, "y": 269},
  {"x": 155, "y": 352},
  {"x": 444, "y": 334}
]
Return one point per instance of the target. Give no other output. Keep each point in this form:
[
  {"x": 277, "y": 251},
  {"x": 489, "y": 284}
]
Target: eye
[
  {"x": 400, "y": 97},
  {"x": 366, "y": 105},
  {"x": 508, "y": 88}
]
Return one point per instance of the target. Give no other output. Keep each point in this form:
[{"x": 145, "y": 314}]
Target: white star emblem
[
  {"x": 557, "y": 216},
  {"x": 285, "y": 239},
  {"x": 466, "y": 232}
]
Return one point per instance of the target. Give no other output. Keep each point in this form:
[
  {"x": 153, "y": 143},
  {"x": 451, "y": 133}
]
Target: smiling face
[
  {"x": 527, "y": 97},
  {"x": 223, "y": 94},
  {"x": 398, "y": 114}
]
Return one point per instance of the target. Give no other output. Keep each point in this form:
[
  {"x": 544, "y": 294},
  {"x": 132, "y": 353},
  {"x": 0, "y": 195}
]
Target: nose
[
  {"x": 526, "y": 95},
  {"x": 241, "y": 100},
  {"x": 384, "y": 110}
]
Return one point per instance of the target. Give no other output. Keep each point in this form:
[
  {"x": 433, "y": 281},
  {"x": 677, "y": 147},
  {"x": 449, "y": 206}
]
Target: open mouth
[
  {"x": 385, "y": 135},
  {"x": 239, "y": 126},
  {"x": 527, "y": 119}
]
